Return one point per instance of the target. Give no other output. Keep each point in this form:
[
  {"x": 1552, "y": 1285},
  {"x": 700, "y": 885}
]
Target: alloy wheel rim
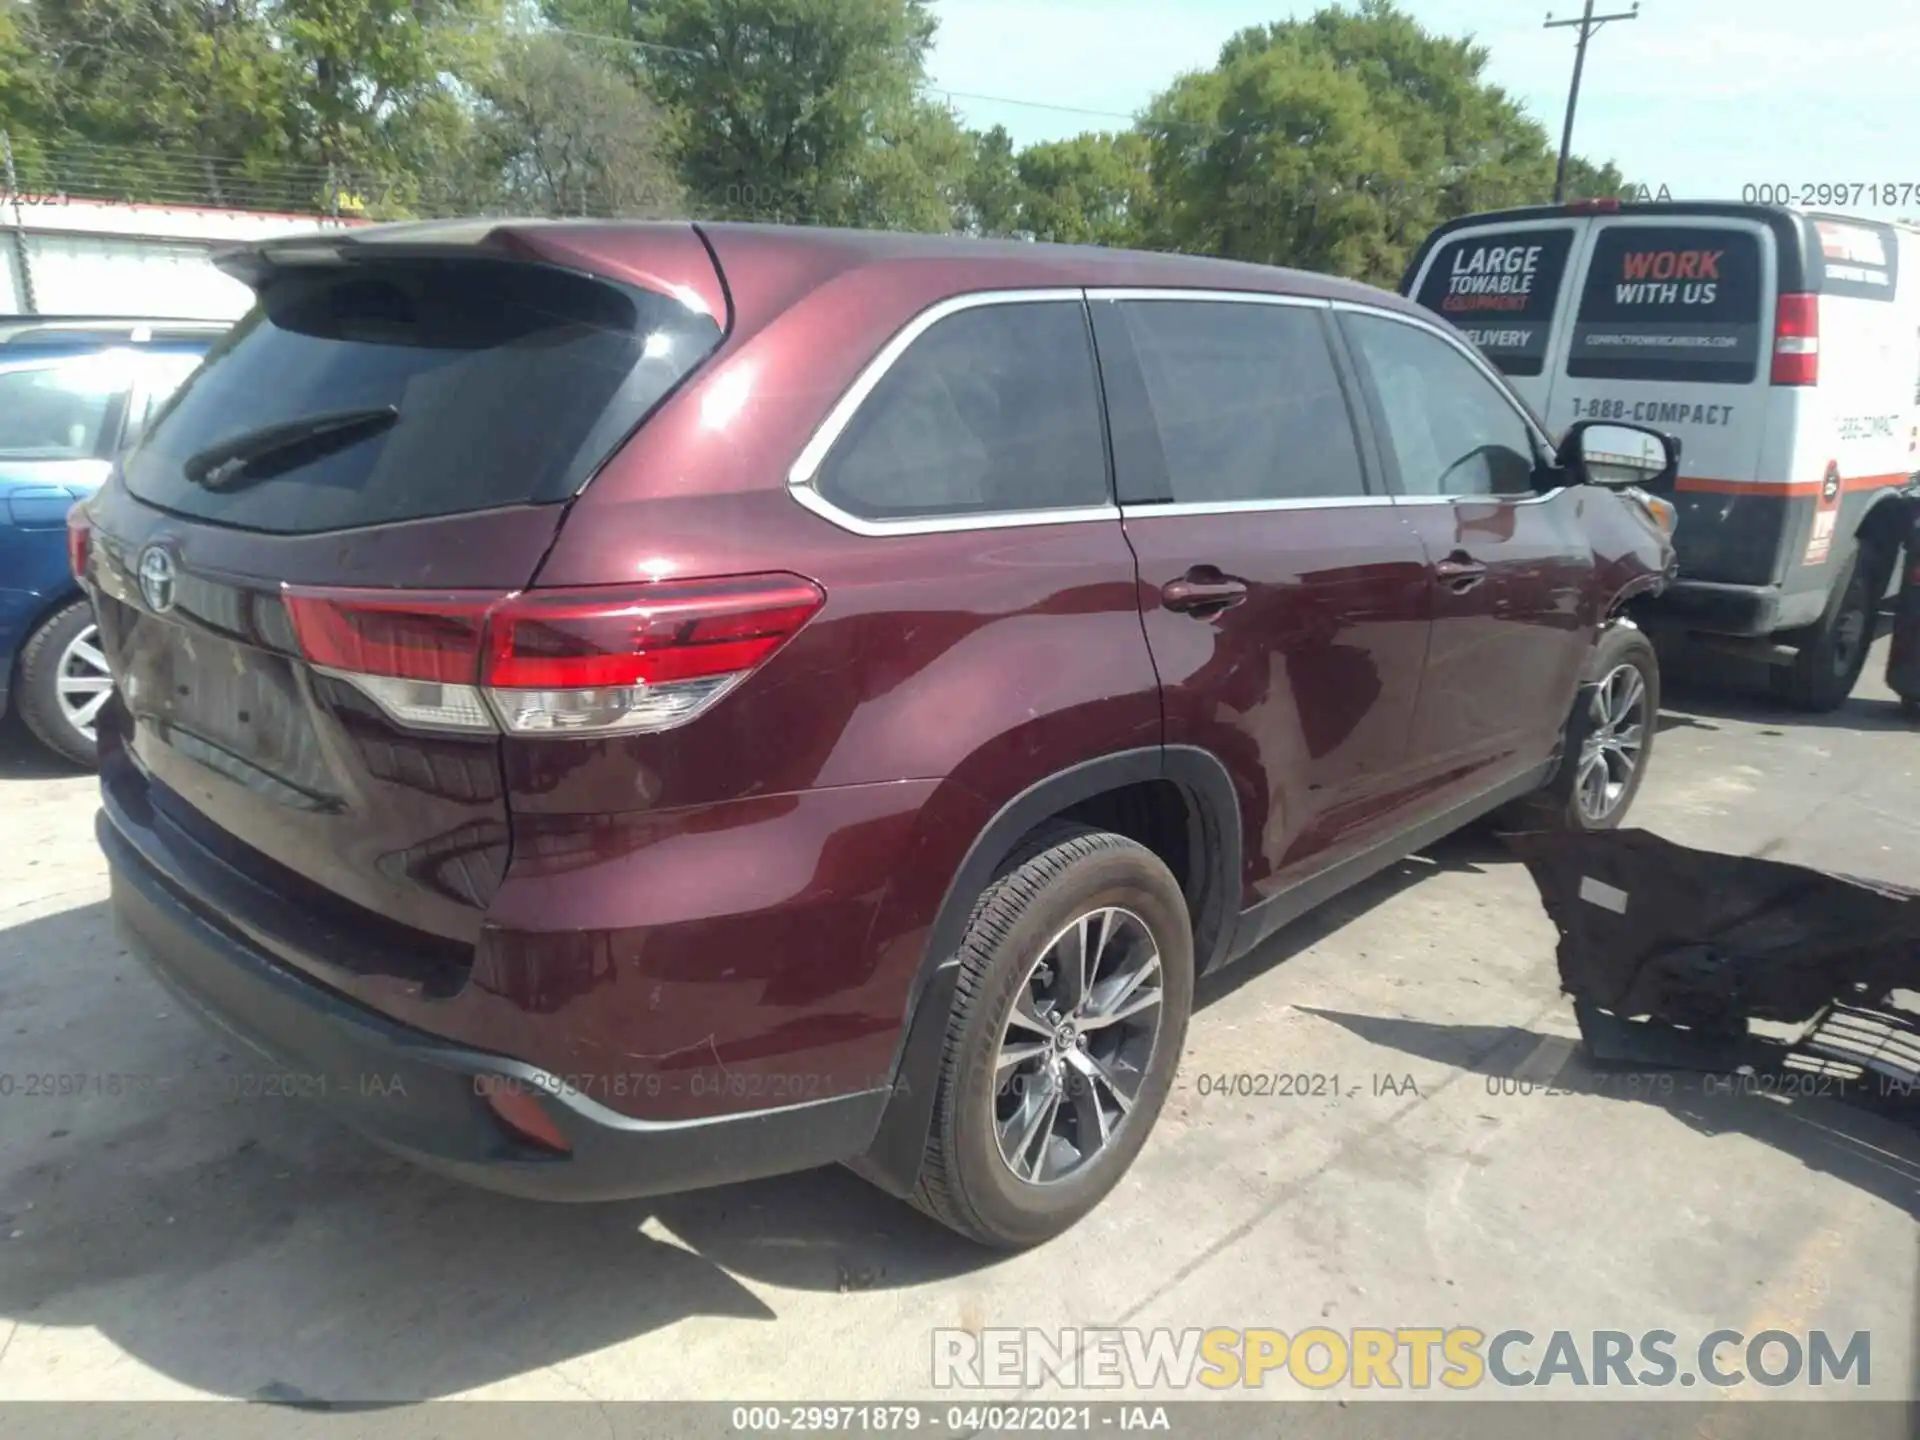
[
  {"x": 82, "y": 681},
  {"x": 1610, "y": 753},
  {"x": 1077, "y": 1045}
]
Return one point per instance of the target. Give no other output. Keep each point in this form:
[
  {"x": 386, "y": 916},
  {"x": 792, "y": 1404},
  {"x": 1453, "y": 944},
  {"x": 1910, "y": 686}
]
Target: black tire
[
  {"x": 39, "y": 684},
  {"x": 1833, "y": 652},
  {"x": 1557, "y": 804},
  {"x": 1066, "y": 872}
]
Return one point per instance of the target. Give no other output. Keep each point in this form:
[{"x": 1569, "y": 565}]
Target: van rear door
[
  {"x": 1502, "y": 286},
  {"x": 1671, "y": 328}
]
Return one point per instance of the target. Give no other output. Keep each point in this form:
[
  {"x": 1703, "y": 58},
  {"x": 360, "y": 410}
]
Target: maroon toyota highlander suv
[{"x": 619, "y": 708}]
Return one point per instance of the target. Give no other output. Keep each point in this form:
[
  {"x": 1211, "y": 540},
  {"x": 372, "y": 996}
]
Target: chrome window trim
[
  {"x": 813, "y": 500},
  {"x": 803, "y": 473},
  {"x": 1149, "y": 510},
  {"x": 1205, "y": 295},
  {"x": 805, "y": 469},
  {"x": 1479, "y": 362}
]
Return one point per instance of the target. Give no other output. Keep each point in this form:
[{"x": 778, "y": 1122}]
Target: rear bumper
[
  {"x": 422, "y": 1097},
  {"x": 1716, "y": 608}
]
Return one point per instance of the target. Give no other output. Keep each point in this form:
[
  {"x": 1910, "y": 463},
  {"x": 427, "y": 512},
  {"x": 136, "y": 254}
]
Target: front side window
[
  {"x": 1245, "y": 400},
  {"x": 994, "y": 409},
  {"x": 58, "y": 411},
  {"x": 1451, "y": 430}
]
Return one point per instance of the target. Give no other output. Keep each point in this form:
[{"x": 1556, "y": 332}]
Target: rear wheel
[
  {"x": 1609, "y": 738},
  {"x": 1833, "y": 652},
  {"x": 64, "y": 682},
  {"x": 1076, "y": 979}
]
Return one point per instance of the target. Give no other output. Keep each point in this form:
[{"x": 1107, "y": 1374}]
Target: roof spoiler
[{"x": 251, "y": 262}]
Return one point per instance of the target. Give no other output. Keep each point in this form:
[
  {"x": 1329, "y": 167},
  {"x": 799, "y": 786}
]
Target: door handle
[
  {"x": 1203, "y": 590},
  {"x": 1460, "y": 572}
]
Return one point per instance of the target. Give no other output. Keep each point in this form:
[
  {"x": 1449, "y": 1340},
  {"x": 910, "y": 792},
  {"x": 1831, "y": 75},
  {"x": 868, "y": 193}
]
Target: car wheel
[
  {"x": 1833, "y": 652},
  {"x": 1609, "y": 738},
  {"x": 1076, "y": 979},
  {"x": 64, "y": 681}
]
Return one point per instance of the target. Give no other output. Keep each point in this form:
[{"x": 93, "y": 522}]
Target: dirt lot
[{"x": 195, "y": 1243}]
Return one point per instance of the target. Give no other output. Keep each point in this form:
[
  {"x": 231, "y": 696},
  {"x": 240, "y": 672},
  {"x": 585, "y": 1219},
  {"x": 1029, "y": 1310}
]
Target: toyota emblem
[{"x": 156, "y": 579}]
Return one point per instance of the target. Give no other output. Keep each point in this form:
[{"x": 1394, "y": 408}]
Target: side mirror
[{"x": 1604, "y": 452}]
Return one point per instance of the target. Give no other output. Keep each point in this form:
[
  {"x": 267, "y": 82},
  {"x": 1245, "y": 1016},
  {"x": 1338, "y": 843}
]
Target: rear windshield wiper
[{"x": 273, "y": 449}]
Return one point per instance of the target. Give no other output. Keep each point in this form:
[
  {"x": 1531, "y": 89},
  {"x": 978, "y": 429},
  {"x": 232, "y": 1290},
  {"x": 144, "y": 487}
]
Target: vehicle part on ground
[
  {"x": 1671, "y": 954},
  {"x": 1075, "y": 983},
  {"x": 1834, "y": 651},
  {"x": 64, "y": 682}
]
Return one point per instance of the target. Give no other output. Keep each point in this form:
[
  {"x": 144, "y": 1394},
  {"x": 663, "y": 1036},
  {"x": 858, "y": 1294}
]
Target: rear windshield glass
[
  {"x": 1500, "y": 289},
  {"x": 363, "y": 395},
  {"x": 1670, "y": 303}
]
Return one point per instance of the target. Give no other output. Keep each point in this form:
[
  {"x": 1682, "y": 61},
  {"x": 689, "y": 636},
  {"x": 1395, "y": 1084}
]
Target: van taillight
[
  {"x": 79, "y": 540},
  {"x": 1796, "y": 340},
  {"x": 1605, "y": 205},
  {"x": 594, "y": 661}
]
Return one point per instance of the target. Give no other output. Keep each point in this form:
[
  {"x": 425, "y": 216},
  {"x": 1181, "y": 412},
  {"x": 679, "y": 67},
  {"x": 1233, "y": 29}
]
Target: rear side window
[
  {"x": 994, "y": 409},
  {"x": 62, "y": 410},
  {"x": 367, "y": 394},
  {"x": 1670, "y": 303},
  {"x": 1500, "y": 290},
  {"x": 1245, "y": 401}
]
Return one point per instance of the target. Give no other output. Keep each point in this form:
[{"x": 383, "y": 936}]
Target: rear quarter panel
[{"x": 840, "y": 786}]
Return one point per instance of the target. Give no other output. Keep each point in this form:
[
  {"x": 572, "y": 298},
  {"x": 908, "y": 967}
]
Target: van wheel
[
  {"x": 1609, "y": 739},
  {"x": 64, "y": 682},
  {"x": 1833, "y": 652},
  {"x": 1076, "y": 979}
]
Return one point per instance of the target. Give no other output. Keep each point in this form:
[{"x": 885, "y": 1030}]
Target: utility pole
[
  {"x": 19, "y": 226},
  {"x": 1588, "y": 23}
]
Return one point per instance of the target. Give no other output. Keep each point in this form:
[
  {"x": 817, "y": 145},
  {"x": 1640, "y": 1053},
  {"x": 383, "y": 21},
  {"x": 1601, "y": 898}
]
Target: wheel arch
[
  {"x": 1885, "y": 527},
  {"x": 1211, "y": 835},
  {"x": 45, "y": 607}
]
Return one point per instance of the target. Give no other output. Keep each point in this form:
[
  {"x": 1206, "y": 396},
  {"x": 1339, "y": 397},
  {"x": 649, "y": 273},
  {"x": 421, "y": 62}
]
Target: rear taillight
[
  {"x": 79, "y": 541},
  {"x": 1604, "y": 205},
  {"x": 1796, "y": 340},
  {"x": 552, "y": 662}
]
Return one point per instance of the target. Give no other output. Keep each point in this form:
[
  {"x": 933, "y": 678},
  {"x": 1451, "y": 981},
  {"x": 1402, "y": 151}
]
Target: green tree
[
  {"x": 1095, "y": 189},
  {"x": 1338, "y": 142},
  {"x": 559, "y": 130},
  {"x": 993, "y": 193},
  {"x": 375, "y": 93},
  {"x": 147, "y": 98},
  {"x": 786, "y": 109}
]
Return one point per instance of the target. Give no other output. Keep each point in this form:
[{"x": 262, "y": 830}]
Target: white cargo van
[{"x": 1781, "y": 347}]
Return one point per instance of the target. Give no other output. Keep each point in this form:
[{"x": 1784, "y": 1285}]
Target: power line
[{"x": 1588, "y": 23}]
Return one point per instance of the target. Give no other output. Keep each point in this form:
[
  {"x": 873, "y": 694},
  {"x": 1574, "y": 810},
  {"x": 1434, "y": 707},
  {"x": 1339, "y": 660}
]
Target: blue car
[{"x": 65, "y": 412}]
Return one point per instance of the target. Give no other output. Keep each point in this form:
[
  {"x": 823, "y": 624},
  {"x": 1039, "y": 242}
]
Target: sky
[{"x": 1705, "y": 97}]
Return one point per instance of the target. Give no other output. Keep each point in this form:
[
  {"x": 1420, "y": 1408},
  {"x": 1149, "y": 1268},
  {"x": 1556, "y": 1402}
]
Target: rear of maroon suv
[{"x": 384, "y": 749}]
